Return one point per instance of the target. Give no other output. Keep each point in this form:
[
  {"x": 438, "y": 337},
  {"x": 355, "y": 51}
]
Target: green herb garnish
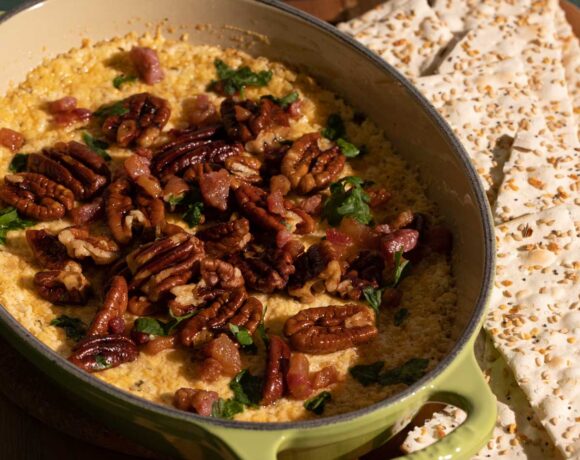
[
  {"x": 235, "y": 80},
  {"x": 373, "y": 297},
  {"x": 400, "y": 316},
  {"x": 347, "y": 199},
  {"x": 193, "y": 214},
  {"x": 226, "y": 408},
  {"x": 102, "y": 362},
  {"x": 10, "y": 220},
  {"x": 18, "y": 163},
  {"x": 109, "y": 110},
  {"x": 316, "y": 403},
  {"x": 150, "y": 326},
  {"x": 348, "y": 150},
  {"x": 261, "y": 330},
  {"x": 334, "y": 127},
  {"x": 120, "y": 80},
  {"x": 408, "y": 373},
  {"x": 286, "y": 100},
  {"x": 247, "y": 388},
  {"x": 177, "y": 320},
  {"x": 241, "y": 334},
  {"x": 400, "y": 265},
  {"x": 74, "y": 328},
  {"x": 97, "y": 146}
]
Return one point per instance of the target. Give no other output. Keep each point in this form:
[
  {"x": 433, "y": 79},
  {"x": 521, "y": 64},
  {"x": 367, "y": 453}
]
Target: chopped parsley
[
  {"x": 336, "y": 131},
  {"x": 102, "y": 362},
  {"x": 286, "y": 100},
  {"x": 347, "y": 199},
  {"x": 109, "y": 110},
  {"x": 247, "y": 388},
  {"x": 316, "y": 403},
  {"x": 400, "y": 266},
  {"x": 235, "y": 80},
  {"x": 373, "y": 297},
  {"x": 241, "y": 334},
  {"x": 400, "y": 316},
  {"x": 120, "y": 80},
  {"x": 192, "y": 201},
  {"x": 159, "y": 328},
  {"x": 226, "y": 408},
  {"x": 10, "y": 220},
  {"x": 18, "y": 163},
  {"x": 74, "y": 328},
  {"x": 408, "y": 373},
  {"x": 97, "y": 146},
  {"x": 348, "y": 150}
]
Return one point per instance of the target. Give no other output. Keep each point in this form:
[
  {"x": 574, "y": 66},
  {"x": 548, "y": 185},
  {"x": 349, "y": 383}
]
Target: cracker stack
[{"x": 506, "y": 76}]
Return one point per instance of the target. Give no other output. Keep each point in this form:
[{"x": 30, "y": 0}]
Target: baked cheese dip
[{"x": 216, "y": 232}]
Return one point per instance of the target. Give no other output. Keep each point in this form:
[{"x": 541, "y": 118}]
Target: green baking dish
[{"x": 417, "y": 132}]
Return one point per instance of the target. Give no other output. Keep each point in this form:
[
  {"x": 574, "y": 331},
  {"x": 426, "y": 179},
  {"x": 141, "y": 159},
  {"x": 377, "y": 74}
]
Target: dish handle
[{"x": 464, "y": 387}]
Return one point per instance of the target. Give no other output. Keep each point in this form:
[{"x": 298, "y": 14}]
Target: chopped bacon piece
[
  {"x": 71, "y": 117},
  {"x": 147, "y": 63},
  {"x": 203, "y": 112},
  {"x": 312, "y": 205},
  {"x": 275, "y": 203},
  {"x": 215, "y": 189},
  {"x": 324, "y": 377},
  {"x": 222, "y": 358},
  {"x": 194, "y": 400},
  {"x": 65, "y": 104},
  {"x": 11, "y": 139},
  {"x": 403, "y": 240},
  {"x": 298, "y": 376}
]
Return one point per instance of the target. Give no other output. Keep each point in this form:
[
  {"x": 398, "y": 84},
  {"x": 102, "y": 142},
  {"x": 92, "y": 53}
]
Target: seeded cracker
[
  {"x": 518, "y": 433},
  {"x": 537, "y": 177},
  {"x": 405, "y": 33},
  {"x": 486, "y": 106},
  {"x": 534, "y": 317}
]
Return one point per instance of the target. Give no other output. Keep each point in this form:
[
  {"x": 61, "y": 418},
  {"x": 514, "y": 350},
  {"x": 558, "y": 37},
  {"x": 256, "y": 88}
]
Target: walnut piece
[
  {"x": 323, "y": 330},
  {"x": 98, "y": 353},
  {"x": 67, "y": 285},
  {"x": 81, "y": 245},
  {"x": 109, "y": 318},
  {"x": 145, "y": 117},
  {"x": 36, "y": 196},
  {"x": 276, "y": 369}
]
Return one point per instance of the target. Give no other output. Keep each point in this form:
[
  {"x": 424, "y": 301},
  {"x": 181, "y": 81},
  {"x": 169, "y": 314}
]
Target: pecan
[
  {"x": 80, "y": 245},
  {"x": 147, "y": 63},
  {"x": 66, "y": 285},
  {"x": 141, "y": 306},
  {"x": 268, "y": 269},
  {"x": 226, "y": 238},
  {"x": 198, "y": 401},
  {"x": 233, "y": 307},
  {"x": 36, "y": 196},
  {"x": 50, "y": 252},
  {"x": 364, "y": 271},
  {"x": 109, "y": 318},
  {"x": 245, "y": 120},
  {"x": 253, "y": 203},
  {"x": 122, "y": 216},
  {"x": 11, "y": 139},
  {"x": 159, "y": 266},
  {"x": 328, "y": 329},
  {"x": 269, "y": 116},
  {"x": 191, "y": 147},
  {"x": 308, "y": 168},
  {"x": 243, "y": 168},
  {"x": 219, "y": 274},
  {"x": 316, "y": 270},
  {"x": 222, "y": 357},
  {"x": 88, "y": 212},
  {"x": 74, "y": 166},
  {"x": 276, "y": 369},
  {"x": 103, "y": 352},
  {"x": 145, "y": 117}
]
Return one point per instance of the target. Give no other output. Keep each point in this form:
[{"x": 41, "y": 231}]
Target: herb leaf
[
  {"x": 193, "y": 214},
  {"x": 108, "y": 110},
  {"x": 96, "y": 146},
  {"x": 373, "y": 297},
  {"x": 18, "y": 163},
  {"x": 286, "y": 100},
  {"x": 102, "y": 362},
  {"x": 351, "y": 202},
  {"x": 241, "y": 334},
  {"x": 235, "y": 80},
  {"x": 348, "y": 150},
  {"x": 367, "y": 374},
  {"x": 334, "y": 127},
  {"x": 74, "y": 328},
  {"x": 120, "y": 80},
  {"x": 316, "y": 403},
  {"x": 176, "y": 321},
  {"x": 400, "y": 265},
  {"x": 150, "y": 326},
  {"x": 247, "y": 388},
  {"x": 226, "y": 408},
  {"x": 400, "y": 316},
  {"x": 10, "y": 220},
  {"x": 408, "y": 373}
]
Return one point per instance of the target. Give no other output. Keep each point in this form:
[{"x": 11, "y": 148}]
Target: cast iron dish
[{"x": 419, "y": 135}]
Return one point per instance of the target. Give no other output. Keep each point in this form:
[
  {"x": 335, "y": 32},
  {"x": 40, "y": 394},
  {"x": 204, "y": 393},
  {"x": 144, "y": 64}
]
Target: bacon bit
[
  {"x": 324, "y": 377},
  {"x": 71, "y": 117},
  {"x": 65, "y": 104},
  {"x": 400, "y": 240},
  {"x": 11, "y": 139},
  {"x": 335, "y": 236},
  {"x": 202, "y": 111},
  {"x": 283, "y": 237},
  {"x": 215, "y": 189},
  {"x": 136, "y": 166},
  {"x": 147, "y": 63},
  {"x": 174, "y": 187},
  {"x": 312, "y": 205},
  {"x": 275, "y": 203},
  {"x": 298, "y": 377},
  {"x": 295, "y": 109},
  {"x": 222, "y": 358},
  {"x": 378, "y": 196}
]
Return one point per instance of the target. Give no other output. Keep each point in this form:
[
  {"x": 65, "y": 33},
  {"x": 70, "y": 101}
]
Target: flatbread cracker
[
  {"x": 486, "y": 107},
  {"x": 534, "y": 319},
  {"x": 405, "y": 33},
  {"x": 518, "y": 433},
  {"x": 537, "y": 177}
]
